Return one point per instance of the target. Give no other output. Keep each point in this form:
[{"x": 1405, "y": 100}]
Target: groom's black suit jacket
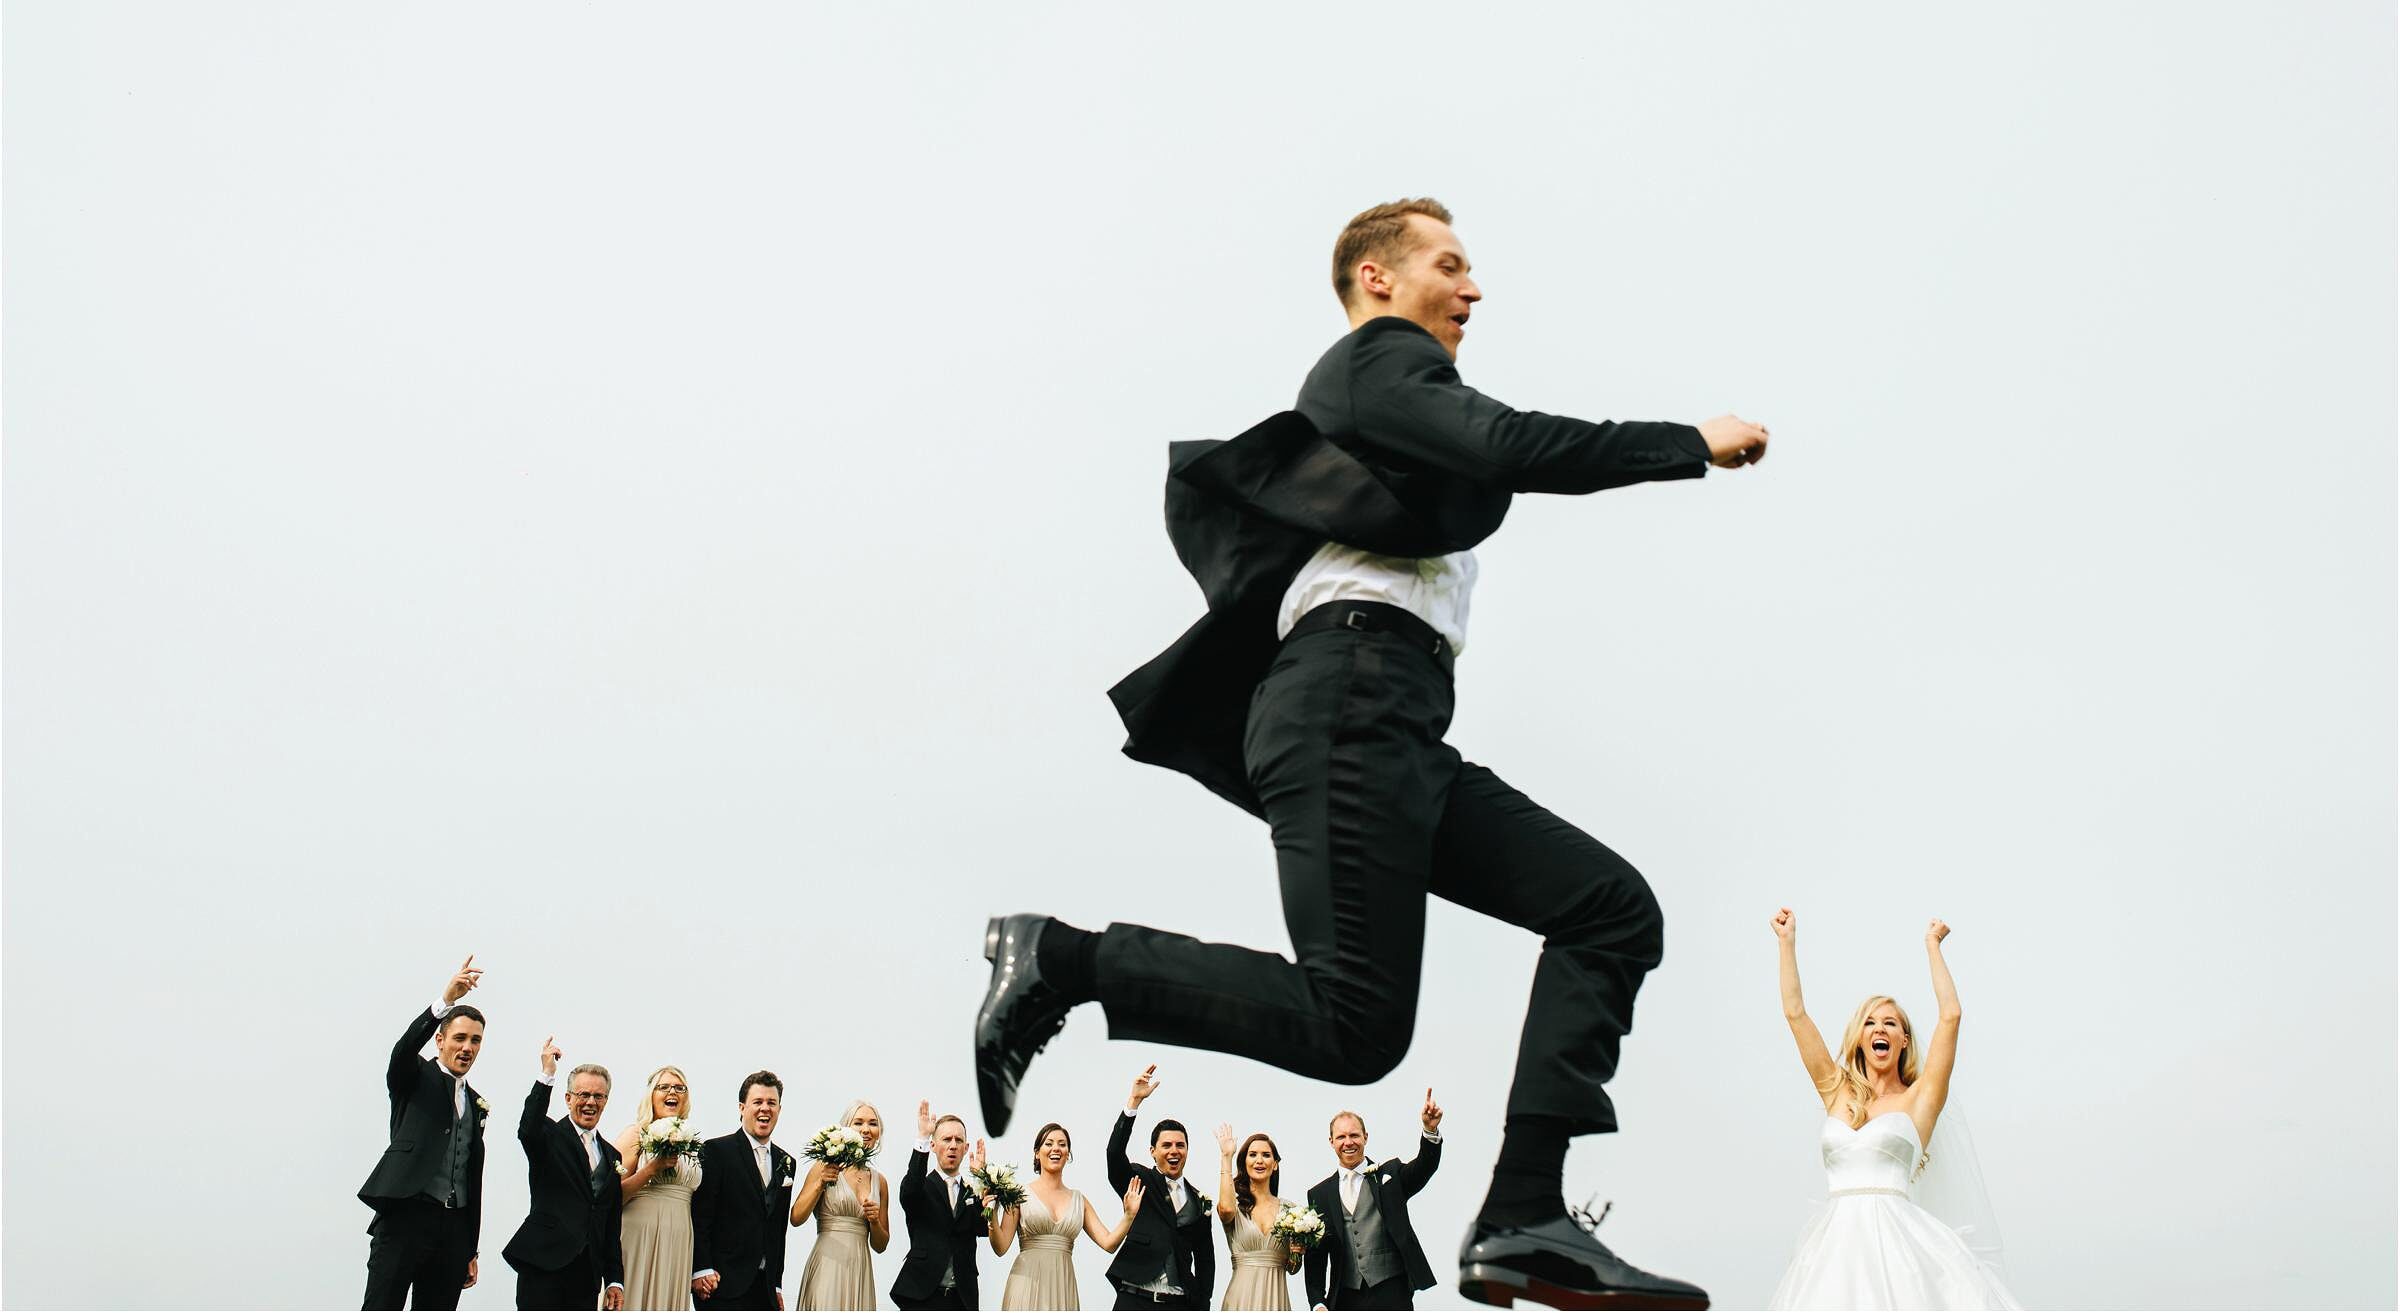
[
  {"x": 574, "y": 1207},
  {"x": 1160, "y": 1240},
  {"x": 736, "y": 1221},
  {"x": 1388, "y": 451},
  {"x": 424, "y": 1117},
  {"x": 938, "y": 1232},
  {"x": 1394, "y": 1184}
]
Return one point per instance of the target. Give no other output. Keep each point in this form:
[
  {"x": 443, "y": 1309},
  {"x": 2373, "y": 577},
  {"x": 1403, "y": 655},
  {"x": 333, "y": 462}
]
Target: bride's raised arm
[
  {"x": 1822, "y": 1072},
  {"x": 1941, "y": 1051}
]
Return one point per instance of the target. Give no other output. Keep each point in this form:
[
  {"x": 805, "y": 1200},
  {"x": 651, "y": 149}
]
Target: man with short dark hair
[
  {"x": 945, "y": 1219},
  {"x": 1370, "y": 1257},
  {"x": 741, "y": 1210},
  {"x": 427, "y": 1189},
  {"x": 1334, "y": 546},
  {"x": 1169, "y": 1258},
  {"x": 570, "y": 1243}
]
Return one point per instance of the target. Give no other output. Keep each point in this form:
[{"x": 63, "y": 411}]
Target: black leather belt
[{"x": 1376, "y": 618}]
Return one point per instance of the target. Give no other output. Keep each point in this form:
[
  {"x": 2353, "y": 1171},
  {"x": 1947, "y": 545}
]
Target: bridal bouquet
[
  {"x": 1298, "y": 1225},
  {"x": 671, "y": 1139},
  {"x": 842, "y": 1146},
  {"x": 998, "y": 1184}
]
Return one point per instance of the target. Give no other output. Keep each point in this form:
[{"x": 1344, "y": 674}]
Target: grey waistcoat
[{"x": 1373, "y": 1256}]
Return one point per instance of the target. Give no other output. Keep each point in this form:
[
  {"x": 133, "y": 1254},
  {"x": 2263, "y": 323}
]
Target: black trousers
[
  {"x": 1392, "y": 1294},
  {"x": 953, "y": 1298},
  {"x": 1371, "y": 812},
  {"x": 1130, "y": 1297},
  {"x": 577, "y": 1285},
  {"x": 759, "y": 1294},
  {"x": 419, "y": 1254}
]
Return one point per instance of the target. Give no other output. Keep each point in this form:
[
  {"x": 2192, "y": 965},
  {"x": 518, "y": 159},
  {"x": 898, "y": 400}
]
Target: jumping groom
[{"x": 1333, "y": 544}]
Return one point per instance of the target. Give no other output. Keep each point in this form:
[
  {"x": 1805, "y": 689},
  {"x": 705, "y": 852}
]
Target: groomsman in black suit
[
  {"x": 569, "y": 1243},
  {"x": 1370, "y": 1251},
  {"x": 1334, "y": 545},
  {"x": 945, "y": 1219},
  {"x": 742, "y": 1208},
  {"x": 1169, "y": 1258},
  {"x": 427, "y": 1189}
]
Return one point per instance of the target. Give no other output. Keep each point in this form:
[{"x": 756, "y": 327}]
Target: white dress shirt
[{"x": 1434, "y": 589}]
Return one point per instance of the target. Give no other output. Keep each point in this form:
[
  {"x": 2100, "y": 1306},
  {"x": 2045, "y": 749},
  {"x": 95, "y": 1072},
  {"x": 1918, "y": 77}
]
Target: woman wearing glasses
[{"x": 658, "y": 1204}]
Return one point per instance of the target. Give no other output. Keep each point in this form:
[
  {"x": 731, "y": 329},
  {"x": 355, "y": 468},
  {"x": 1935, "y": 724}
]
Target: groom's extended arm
[{"x": 1409, "y": 400}]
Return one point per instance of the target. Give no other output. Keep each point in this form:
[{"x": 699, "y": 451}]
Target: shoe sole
[
  {"x": 1502, "y": 1287},
  {"x": 985, "y": 1088}
]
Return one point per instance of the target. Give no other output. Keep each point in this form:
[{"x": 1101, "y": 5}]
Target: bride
[{"x": 1872, "y": 1246}]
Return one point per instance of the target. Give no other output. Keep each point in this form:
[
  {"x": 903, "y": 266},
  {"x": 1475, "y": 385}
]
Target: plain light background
[{"x": 653, "y": 497}]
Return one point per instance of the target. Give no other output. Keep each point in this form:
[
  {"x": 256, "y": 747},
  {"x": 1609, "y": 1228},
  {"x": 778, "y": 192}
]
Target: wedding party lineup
[{"x": 1335, "y": 548}]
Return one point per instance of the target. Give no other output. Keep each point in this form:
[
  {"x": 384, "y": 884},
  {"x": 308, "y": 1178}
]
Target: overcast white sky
[{"x": 654, "y": 498}]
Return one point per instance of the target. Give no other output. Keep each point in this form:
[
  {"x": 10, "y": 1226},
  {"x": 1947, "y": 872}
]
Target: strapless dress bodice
[{"x": 1880, "y": 1156}]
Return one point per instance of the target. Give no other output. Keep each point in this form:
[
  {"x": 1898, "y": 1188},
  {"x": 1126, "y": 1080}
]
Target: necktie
[
  {"x": 591, "y": 1150},
  {"x": 1175, "y": 1193},
  {"x": 1349, "y": 1191},
  {"x": 950, "y": 1185}
]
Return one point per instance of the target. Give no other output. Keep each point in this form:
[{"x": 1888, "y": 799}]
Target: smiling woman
[{"x": 1872, "y": 1246}]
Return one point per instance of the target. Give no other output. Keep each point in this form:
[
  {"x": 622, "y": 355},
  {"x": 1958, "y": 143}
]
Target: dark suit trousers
[
  {"x": 1371, "y": 812},
  {"x": 953, "y": 1298},
  {"x": 1392, "y": 1294},
  {"x": 577, "y": 1285},
  {"x": 760, "y": 1295},
  {"x": 418, "y": 1257}
]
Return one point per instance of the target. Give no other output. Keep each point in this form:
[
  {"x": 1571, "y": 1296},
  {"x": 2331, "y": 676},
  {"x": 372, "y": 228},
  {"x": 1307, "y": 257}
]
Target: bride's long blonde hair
[{"x": 1850, "y": 1082}]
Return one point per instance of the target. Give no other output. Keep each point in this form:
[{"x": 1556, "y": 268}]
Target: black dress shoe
[
  {"x": 1020, "y": 1014},
  {"x": 1559, "y": 1262}
]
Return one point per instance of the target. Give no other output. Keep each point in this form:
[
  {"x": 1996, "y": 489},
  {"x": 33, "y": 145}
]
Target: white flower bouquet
[
  {"x": 671, "y": 1139},
  {"x": 842, "y": 1146},
  {"x": 1298, "y": 1225},
  {"x": 998, "y": 1184}
]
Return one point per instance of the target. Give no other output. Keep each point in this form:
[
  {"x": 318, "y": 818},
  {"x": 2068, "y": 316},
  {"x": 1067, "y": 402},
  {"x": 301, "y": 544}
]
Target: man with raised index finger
[
  {"x": 945, "y": 1219},
  {"x": 569, "y": 1246},
  {"x": 1334, "y": 545},
  {"x": 1169, "y": 1258},
  {"x": 1370, "y": 1257},
  {"x": 427, "y": 1188}
]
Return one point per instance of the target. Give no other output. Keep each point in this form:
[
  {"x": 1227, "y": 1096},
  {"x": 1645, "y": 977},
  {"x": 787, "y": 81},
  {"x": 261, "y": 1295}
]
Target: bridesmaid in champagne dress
[
  {"x": 849, "y": 1207},
  {"x": 1247, "y": 1205},
  {"x": 657, "y": 1226},
  {"x": 1875, "y": 1245},
  {"x": 1043, "y": 1277}
]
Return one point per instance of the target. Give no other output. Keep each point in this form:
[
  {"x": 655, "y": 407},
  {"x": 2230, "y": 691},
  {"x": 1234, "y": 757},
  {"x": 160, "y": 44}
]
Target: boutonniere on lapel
[{"x": 481, "y": 1104}]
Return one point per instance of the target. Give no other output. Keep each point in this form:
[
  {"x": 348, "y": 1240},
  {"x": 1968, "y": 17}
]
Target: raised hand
[
  {"x": 1733, "y": 441},
  {"x": 975, "y": 1160},
  {"x": 550, "y": 1054},
  {"x": 1143, "y": 1086},
  {"x": 1938, "y": 931},
  {"x": 469, "y": 975},
  {"x": 1133, "y": 1195},
  {"x": 924, "y": 1119},
  {"x": 1783, "y": 923},
  {"x": 1432, "y": 1116},
  {"x": 1225, "y": 1138}
]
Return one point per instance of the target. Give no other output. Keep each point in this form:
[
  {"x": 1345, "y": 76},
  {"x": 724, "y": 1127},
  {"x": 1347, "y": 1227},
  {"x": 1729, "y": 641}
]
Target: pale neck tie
[
  {"x": 591, "y": 1149},
  {"x": 950, "y": 1187},
  {"x": 759, "y": 1152},
  {"x": 1175, "y": 1193},
  {"x": 458, "y": 1098},
  {"x": 1349, "y": 1190}
]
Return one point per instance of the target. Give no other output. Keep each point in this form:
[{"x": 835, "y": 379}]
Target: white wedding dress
[{"x": 1871, "y": 1246}]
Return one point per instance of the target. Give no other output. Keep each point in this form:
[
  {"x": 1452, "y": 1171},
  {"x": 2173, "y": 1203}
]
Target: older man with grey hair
[{"x": 569, "y": 1243}]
